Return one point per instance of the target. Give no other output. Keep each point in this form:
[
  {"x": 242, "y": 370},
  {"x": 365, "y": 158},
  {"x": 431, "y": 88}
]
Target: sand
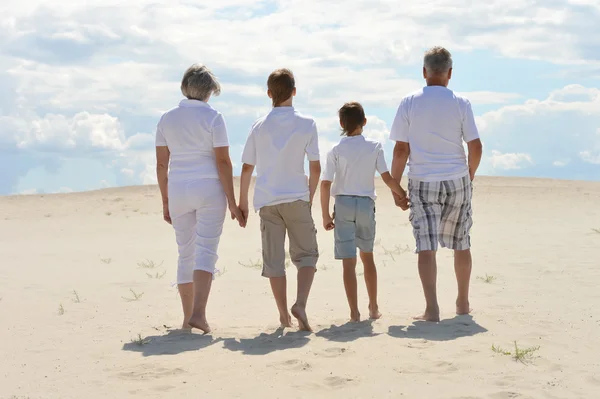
[{"x": 533, "y": 238}]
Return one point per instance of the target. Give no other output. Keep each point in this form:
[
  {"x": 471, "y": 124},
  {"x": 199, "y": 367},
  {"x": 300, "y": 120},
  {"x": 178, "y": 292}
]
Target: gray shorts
[
  {"x": 354, "y": 219},
  {"x": 440, "y": 213}
]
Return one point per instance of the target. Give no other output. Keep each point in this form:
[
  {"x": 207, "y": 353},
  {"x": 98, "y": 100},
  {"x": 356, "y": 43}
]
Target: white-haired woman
[{"x": 195, "y": 177}]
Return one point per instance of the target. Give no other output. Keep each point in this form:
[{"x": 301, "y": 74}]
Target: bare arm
[
  {"x": 401, "y": 154},
  {"x": 325, "y": 196},
  {"x": 475, "y": 149},
  {"x": 245, "y": 179},
  {"x": 162, "y": 175},
  {"x": 393, "y": 184},
  {"x": 225, "y": 170},
  {"x": 313, "y": 180}
]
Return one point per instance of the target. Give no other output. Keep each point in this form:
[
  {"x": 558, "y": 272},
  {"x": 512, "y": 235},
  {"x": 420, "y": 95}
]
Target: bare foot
[
  {"x": 374, "y": 313},
  {"x": 300, "y": 314},
  {"x": 286, "y": 322},
  {"x": 186, "y": 326},
  {"x": 355, "y": 316},
  {"x": 200, "y": 323},
  {"x": 429, "y": 315},
  {"x": 463, "y": 308}
]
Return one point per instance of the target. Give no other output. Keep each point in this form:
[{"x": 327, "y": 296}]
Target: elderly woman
[{"x": 196, "y": 187}]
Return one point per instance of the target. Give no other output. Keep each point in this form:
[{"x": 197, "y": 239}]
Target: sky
[{"x": 84, "y": 83}]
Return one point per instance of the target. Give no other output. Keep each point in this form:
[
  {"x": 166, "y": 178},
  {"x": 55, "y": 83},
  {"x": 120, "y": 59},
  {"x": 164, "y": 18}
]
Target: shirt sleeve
[
  {"x": 160, "y": 138},
  {"x": 219, "y": 132},
  {"x": 330, "y": 167},
  {"x": 312, "y": 149},
  {"x": 249, "y": 154},
  {"x": 469, "y": 128},
  {"x": 399, "y": 130},
  {"x": 381, "y": 165}
]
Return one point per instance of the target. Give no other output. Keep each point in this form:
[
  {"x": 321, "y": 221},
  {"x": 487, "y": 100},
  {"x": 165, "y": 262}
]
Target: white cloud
[
  {"x": 510, "y": 160},
  {"x": 29, "y": 191},
  {"x": 561, "y": 163},
  {"x": 591, "y": 157}
]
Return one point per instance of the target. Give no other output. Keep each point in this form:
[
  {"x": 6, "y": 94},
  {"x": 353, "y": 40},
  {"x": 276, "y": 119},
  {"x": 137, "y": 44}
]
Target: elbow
[
  {"x": 325, "y": 184},
  {"x": 247, "y": 169},
  {"x": 224, "y": 164},
  {"x": 401, "y": 150}
]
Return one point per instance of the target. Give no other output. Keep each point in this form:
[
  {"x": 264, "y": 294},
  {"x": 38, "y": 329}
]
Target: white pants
[{"x": 197, "y": 211}]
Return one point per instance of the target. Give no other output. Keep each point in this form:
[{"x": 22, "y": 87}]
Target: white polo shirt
[
  {"x": 435, "y": 122},
  {"x": 191, "y": 131},
  {"x": 277, "y": 146},
  {"x": 351, "y": 166}
]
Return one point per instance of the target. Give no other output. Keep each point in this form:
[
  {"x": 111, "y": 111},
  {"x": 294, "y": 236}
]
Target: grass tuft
[
  {"x": 106, "y": 260},
  {"x": 520, "y": 354},
  {"x": 149, "y": 264},
  {"x": 61, "y": 310},
  {"x": 596, "y": 230},
  {"x": 487, "y": 279},
  {"x": 108, "y": 213},
  {"x": 76, "y": 297},
  {"x": 157, "y": 275},
  {"x": 257, "y": 264},
  {"x": 140, "y": 341},
  {"x": 136, "y": 296},
  {"x": 397, "y": 250}
]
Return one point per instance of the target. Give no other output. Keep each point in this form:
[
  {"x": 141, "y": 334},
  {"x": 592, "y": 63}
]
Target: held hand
[
  {"x": 236, "y": 214},
  {"x": 401, "y": 201},
  {"x": 245, "y": 213},
  {"x": 166, "y": 214},
  {"x": 328, "y": 223}
]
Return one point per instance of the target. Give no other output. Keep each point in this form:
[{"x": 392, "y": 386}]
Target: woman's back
[{"x": 191, "y": 131}]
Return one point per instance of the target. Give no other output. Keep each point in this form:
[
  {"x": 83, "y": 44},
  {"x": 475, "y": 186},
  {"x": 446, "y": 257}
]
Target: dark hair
[
  {"x": 352, "y": 116},
  {"x": 281, "y": 83}
]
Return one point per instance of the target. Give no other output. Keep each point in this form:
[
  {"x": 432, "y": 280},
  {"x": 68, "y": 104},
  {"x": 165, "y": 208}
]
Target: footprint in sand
[
  {"x": 144, "y": 372},
  {"x": 292, "y": 364},
  {"x": 337, "y": 382},
  {"x": 332, "y": 352},
  {"x": 505, "y": 395}
]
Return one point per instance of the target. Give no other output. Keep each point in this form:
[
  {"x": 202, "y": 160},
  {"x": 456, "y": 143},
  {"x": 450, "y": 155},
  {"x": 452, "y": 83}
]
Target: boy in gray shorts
[
  {"x": 278, "y": 145},
  {"x": 351, "y": 166}
]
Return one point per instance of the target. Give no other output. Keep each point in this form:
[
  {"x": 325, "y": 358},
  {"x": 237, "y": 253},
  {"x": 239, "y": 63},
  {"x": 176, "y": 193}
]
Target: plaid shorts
[{"x": 440, "y": 212}]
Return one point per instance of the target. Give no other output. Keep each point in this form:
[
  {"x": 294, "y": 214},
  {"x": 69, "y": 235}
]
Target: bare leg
[
  {"x": 305, "y": 280},
  {"x": 279, "y": 288},
  {"x": 350, "y": 285},
  {"x": 428, "y": 274},
  {"x": 186, "y": 292},
  {"x": 371, "y": 282},
  {"x": 462, "y": 268},
  {"x": 202, "y": 284}
]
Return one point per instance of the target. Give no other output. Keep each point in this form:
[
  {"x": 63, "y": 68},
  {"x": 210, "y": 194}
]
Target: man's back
[
  {"x": 435, "y": 122},
  {"x": 277, "y": 145}
]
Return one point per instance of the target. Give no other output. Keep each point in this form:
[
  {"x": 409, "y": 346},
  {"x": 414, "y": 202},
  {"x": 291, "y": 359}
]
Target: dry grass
[
  {"x": 149, "y": 264},
  {"x": 76, "y": 297},
  {"x": 519, "y": 354},
  {"x": 135, "y": 296},
  {"x": 487, "y": 279}
]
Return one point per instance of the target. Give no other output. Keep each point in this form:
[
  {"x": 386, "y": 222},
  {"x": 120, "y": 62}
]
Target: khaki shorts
[{"x": 294, "y": 218}]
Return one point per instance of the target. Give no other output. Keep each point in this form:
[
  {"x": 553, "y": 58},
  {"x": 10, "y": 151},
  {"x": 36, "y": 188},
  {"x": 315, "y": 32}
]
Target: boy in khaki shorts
[{"x": 277, "y": 146}]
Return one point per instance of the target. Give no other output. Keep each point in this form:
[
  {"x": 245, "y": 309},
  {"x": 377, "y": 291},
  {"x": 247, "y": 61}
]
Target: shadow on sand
[
  {"x": 173, "y": 343},
  {"x": 267, "y": 343},
  {"x": 350, "y": 331},
  {"x": 446, "y": 330}
]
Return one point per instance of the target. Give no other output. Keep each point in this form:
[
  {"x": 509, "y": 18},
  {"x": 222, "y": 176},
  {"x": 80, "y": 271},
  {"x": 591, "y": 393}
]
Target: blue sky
[{"x": 84, "y": 85}]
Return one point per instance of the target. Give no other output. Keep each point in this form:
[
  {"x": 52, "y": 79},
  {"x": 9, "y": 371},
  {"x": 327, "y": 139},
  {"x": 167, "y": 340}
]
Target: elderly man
[{"x": 429, "y": 129}]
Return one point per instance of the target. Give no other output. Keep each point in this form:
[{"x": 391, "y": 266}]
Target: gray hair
[
  {"x": 199, "y": 83},
  {"x": 437, "y": 60}
]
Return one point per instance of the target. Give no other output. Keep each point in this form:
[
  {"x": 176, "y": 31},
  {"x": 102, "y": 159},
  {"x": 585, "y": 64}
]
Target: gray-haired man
[{"x": 429, "y": 129}]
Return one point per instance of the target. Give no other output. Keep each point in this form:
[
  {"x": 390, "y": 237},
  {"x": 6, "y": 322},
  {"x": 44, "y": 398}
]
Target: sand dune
[{"x": 87, "y": 303}]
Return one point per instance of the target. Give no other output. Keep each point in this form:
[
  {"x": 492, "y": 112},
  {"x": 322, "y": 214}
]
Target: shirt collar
[
  {"x": 283, "y": 109},
  {"x": 186, "y": 102}
]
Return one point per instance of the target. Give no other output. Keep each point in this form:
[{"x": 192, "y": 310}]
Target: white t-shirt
[
  {"x": 435, "y": 122},
  {"x": 351, "y": 166},
  {"x": 191, "y": 131},
  {"x": 277, "y": 145}
]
